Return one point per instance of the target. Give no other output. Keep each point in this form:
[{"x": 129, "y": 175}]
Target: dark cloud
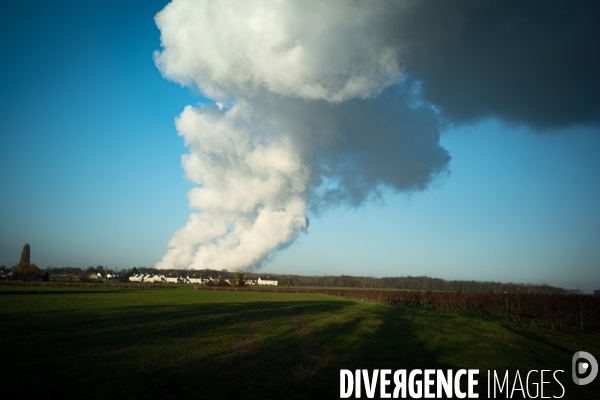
[
  {"x": 533, "y": 63},
  {"x": 357, "y": 147}
]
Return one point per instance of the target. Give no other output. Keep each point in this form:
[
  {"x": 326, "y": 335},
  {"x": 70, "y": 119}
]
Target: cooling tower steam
[
  {"x": 322, "y": 103},
  {"x": 307, "y": 113}
]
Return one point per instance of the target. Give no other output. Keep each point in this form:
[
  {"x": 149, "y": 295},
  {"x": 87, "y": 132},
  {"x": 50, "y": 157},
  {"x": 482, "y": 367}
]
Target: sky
[{"x": 463, "y": 143}]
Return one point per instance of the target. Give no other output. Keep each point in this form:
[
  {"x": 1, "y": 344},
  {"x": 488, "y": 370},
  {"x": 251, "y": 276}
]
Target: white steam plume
[{"x": 314, "y": 116}]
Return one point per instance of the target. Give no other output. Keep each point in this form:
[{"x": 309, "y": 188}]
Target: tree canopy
[
  {"x": 25, "y": 254},
  {"x": 25, "y": 270},
  {"x": 241, "y": 279}
]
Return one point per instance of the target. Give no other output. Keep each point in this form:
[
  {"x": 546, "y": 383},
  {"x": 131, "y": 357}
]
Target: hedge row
[{"x": 552, "y": 310}]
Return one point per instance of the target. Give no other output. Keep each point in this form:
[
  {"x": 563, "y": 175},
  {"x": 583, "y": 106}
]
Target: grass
[{"x": 127, "y": 343}]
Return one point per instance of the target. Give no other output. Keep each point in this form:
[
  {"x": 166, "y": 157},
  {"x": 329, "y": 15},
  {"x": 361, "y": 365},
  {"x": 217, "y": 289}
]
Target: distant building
[
  {"x": 152, "y": 278},
  {"x": 170, "y": 278},
  {"x": 193, "y": 279},
  {"x": 267, "y": 281},
  {"x": 218, "y": 279},
  {"x": 136, "y": 278}
]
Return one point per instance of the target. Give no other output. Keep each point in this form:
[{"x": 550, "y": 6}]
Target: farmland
[{"x": 105, "y": 342}]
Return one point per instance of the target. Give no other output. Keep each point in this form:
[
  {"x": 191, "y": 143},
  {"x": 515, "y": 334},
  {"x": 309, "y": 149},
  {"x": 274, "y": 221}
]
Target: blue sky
[{"x": 91, "y": 171}]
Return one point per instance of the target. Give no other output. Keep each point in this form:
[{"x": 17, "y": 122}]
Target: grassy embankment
[{"x": 124, "y": 343}]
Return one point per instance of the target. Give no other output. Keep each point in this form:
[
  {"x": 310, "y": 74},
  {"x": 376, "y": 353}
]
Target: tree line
[
  {"x": 25, "y": 270},
  {"x": 28, "y": 272},
  {"x": 416, "y": 283}
]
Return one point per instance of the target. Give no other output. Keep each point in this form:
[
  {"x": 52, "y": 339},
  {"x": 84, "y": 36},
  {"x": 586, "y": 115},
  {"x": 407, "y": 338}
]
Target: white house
[
  {"x": 193, "y": 279},
  {"x": 136, "y": 278},
  {"x": 151, "y": 278},
  {"x": 267, "y": 281},
  {"x": 218, "y": 279},
  {"x": 170, "y": 279}
]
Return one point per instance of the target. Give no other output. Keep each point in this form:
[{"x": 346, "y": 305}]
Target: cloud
[
  {"x": 319, "y": 104},
  {"x": 259, "y": 168},
  {"x": 251, "y": 190},
  {"x": 329, "y": 50},
  {"x": 533, "y": 63}
]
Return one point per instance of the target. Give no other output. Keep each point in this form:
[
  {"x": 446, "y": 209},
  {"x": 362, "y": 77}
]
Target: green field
[{"x": 131, "y": 343}]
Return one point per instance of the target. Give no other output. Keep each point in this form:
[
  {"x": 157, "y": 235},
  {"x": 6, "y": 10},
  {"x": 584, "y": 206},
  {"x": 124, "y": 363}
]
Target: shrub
[{"x": 25, "y": 272}]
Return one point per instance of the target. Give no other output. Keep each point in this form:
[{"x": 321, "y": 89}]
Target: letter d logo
[{"x": 584, "y": 367}]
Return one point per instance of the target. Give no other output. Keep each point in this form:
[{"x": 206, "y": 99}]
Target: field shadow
[
  {"x": 43, "y": 292},
  {"x": 251, "y": 350},
  {"x": 538, "y": 338}
]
